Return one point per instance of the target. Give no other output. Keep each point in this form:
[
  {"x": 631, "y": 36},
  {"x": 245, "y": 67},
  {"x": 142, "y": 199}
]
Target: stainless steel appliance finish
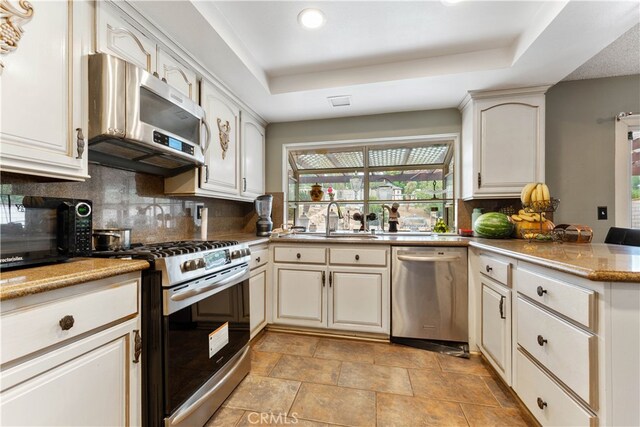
[
  {"x": 40, "y": 230},
  {"x": 109, "y": 239},
  {"x": 263, "y": 209},
  {"x": 138, "y": 122},
  {"x": 195, "y": 291},
  {"x": 429, "y": 293}
]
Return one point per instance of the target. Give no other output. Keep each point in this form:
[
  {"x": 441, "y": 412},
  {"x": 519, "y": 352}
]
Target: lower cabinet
[
  {"x": 349, "y": 298},
  {"x": 495, "y": 337},
  {"x": 66, "y": 373},
  {"x": 258, "y": 300}
]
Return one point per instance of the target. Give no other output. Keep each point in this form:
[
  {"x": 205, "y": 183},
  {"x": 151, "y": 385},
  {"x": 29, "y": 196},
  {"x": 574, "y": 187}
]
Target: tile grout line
[{"x": 464, "y": 414}]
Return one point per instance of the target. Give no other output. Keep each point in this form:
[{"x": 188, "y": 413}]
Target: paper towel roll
[{"x": 204, "y": 215}]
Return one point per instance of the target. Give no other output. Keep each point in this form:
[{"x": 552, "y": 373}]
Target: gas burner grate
[{"x": 153, "y": 251}]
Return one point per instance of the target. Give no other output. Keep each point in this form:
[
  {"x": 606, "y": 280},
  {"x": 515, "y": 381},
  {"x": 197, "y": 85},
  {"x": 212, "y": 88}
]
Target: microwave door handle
[{"x": 207, "y": 140}]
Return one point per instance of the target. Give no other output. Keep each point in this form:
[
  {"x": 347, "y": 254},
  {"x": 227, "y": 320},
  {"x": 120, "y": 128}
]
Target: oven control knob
[
  {"x": 236, "y": 254},
  {"x": 246, "y": 252},
  {"x": 193, "y": 264}
]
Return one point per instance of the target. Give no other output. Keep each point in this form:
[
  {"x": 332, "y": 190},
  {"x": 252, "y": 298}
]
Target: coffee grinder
[{"x": 263, "y": 209}]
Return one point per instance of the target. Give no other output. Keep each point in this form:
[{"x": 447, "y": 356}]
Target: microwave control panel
[{"x": 170, "y": 142}]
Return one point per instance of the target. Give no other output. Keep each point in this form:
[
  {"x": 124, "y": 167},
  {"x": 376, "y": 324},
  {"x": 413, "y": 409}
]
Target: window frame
[
  {"x": 383, "y": 142},
  {"x": 623, "y": 168}
]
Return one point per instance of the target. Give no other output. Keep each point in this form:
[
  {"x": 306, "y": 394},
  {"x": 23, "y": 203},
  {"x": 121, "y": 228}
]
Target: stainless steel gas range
[{"x": 195, "y": 323}]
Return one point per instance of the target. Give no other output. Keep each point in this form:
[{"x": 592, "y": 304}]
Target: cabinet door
[
  {"x": 177, "y": 75},
  {"x": 300, "y": 297},
  {"x": 116, "y": 36},
  {"x": 93, "y": 381},
  {"x": 496, "y": 327},
  {"x": 222, "y": 156},
  {"x": 510, "y": 130},
  {"x": 43, "y": 89},
  {"x": 257, "y": 301},
  {"x": 359, "y": 299},
  {"x": 252, "y": 157}
]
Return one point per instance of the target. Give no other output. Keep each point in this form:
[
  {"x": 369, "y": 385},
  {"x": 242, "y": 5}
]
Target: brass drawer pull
[
  {"x": 541, "y": 403},
  {"x": 489, "y": 269},
  {"x": 541, "y": 340},
  {"x": 258, "y": 259},
  {"x": 541, "y": 291},
  {"x": 67, "y": 322},
  {"x": 357, "y": 257},
  {"x": 298, "y": 255}
]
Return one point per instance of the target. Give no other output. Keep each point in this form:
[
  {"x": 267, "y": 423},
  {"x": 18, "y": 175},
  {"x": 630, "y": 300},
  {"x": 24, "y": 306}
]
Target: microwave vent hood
[{"x": 138, "y": 122}]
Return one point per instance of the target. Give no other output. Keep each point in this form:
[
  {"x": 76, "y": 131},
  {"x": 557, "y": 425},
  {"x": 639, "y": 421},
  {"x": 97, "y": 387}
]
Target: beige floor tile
[
  {"x": 451, "y": 386},
  {"x": 263, "y": 394},
  {"x": 299, "y": 345},
  {"x": 309, "y": 369},
  {"x": 262, "y": 362},
  {"x": 225, "y": 417},
  {"x": 366, "y": 376},
  {"x": 405, "y": 357},
  {"x": 487, "y": 416},
  {"x": 395, "y": 410},
  {"x": 500, "y": 392},
  {"x": 353, "y": 351},
  {"x": 474, "y": 365},
  {"x": 335, "y": 405},
  {"x": 264, "y": 419}
]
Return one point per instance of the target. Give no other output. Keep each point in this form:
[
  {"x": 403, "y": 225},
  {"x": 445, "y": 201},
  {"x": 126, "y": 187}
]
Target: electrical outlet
[{"x": 602, "y": 212}]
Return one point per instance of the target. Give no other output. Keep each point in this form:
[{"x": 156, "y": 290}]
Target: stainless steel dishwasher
[{"x": 429, "y": 294}]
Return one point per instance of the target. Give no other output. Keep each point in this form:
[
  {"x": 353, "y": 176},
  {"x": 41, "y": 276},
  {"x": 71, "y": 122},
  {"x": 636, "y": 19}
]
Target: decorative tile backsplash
[{"x": 126, "y": 199}]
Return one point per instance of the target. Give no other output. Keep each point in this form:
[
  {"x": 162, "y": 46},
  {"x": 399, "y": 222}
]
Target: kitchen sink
[
  {"x": 332, "y": 236},
  {"x": 352, "y": 236}
]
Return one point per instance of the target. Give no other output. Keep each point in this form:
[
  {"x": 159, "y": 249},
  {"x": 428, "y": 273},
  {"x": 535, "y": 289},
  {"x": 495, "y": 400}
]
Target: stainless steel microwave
[
  {"x": 138, "y": 122},
  {"x": 40, "y": 230}
]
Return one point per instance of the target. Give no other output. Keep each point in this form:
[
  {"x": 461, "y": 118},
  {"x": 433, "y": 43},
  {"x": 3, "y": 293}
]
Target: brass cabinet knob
[
  {"x": 541, "y": 340},
  {"x": 357, "y": 257},
  {"x": 541, "y": 403},
  {"x": 541, "y": 291},
  {"x": 298, "y": 255}
]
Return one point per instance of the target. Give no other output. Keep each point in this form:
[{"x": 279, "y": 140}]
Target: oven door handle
[
  {"x": 181, "y": 296},
  {"x": 428, "y": 258}
]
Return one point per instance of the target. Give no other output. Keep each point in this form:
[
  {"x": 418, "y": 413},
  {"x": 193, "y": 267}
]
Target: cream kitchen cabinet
[
  {"x": 120, "y": 35},
  {"x": 43, "y": 119},
  {"x": 234, "y": 158},
  {"x": 496, "y": 326},
  {"x": 498, "y": 125},
  {"x": 259, "y": 291},
  {"x": 252, "y": 138},
  {"x": 75, "y": 353},
  {"x": 347, "y": 292}
]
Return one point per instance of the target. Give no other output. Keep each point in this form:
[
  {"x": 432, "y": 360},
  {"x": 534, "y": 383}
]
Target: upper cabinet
[
  {"x": 44, "y": 121},
  {"x": 253, "y": 140},
  {"x": 118, "y": 35},
  {"x": 234, "y": 158},
  {"x": 502, "y": 141}
]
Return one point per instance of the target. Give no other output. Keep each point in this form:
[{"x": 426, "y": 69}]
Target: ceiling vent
[{"x": 340, "y": 101}]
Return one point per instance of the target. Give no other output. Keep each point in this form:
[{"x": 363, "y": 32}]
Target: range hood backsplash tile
[{"x": 126, "y": 199}]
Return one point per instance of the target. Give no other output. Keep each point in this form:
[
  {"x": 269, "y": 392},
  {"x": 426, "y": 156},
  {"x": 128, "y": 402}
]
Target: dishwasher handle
[{"x": 428, "y": 258}]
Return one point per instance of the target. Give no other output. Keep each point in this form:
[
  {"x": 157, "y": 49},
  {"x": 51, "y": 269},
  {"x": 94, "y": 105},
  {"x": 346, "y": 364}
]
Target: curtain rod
[{"x": 623, "y": 114}]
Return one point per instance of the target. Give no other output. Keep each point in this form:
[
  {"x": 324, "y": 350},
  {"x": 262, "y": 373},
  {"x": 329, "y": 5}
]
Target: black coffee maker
[{"x": 263, "y": 209}]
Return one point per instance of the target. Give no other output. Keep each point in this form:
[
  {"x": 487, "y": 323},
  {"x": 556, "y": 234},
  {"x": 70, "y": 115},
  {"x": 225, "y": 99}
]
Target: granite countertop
[
  {"x": 595, "y": 261},
  {"x": 28, "y": 281},
  {"x": 248, "y": 238}
]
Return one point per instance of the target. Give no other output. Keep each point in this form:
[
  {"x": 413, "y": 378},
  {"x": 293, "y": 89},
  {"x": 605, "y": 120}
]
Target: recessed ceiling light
[
  {"x": 340, "y": 101},
  {"x": 311, "y": 18}
]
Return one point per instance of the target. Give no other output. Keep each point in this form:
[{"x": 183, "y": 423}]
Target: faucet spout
[
  {"x": 388, "y": 209},
  {"x": 328, "y": 212}
]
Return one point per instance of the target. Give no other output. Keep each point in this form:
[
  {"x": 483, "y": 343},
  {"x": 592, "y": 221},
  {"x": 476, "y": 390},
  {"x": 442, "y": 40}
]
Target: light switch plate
[{"x": 602, "y": 212}]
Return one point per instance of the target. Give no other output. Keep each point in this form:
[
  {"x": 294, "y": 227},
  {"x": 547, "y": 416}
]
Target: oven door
[{"x": 204, "y": 327}]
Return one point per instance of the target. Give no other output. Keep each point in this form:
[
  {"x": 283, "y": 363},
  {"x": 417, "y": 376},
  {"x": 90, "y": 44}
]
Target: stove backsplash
[{"x": 125, "y": 199}]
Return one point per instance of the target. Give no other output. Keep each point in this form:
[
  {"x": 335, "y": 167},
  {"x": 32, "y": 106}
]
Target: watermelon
[{"x": 493, "y": 225}]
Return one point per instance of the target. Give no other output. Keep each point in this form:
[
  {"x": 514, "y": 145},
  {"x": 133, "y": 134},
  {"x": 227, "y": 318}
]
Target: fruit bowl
[{"x": 541, "y": 206}]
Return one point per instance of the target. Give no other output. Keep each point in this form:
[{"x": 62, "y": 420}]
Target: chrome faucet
[
  {"x": 388, "y": 208},
  {"x": 329, "y": 211}
]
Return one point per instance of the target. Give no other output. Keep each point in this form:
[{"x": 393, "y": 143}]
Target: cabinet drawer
[
  {"x": 259, "y": 256},
  {"x": 496, "y": 269},
  {"x": 304, "y": 255},
  {"x": 571, "y": 301},
  {"x": 358, "y": 256},
  {"x": 568, "y": 352},
  {"x": 33, "y": 328},
  {"x": 546, "y": 400}
]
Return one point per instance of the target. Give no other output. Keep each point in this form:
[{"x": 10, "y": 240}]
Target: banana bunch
[
  {"x": 531, "y": 217},
  {"x": 535, "y": 192}
]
